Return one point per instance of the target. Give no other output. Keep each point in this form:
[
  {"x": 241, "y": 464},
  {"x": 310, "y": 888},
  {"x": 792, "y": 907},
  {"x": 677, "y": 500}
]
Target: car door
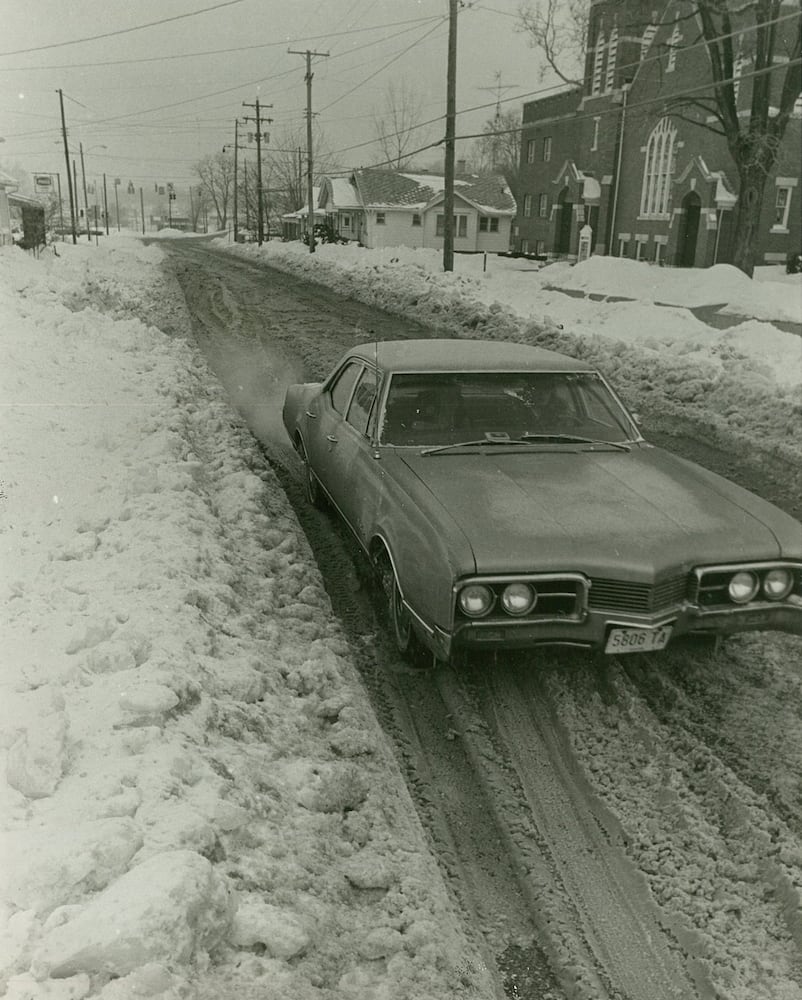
[
  {"x": 327, "y": 416},
  {"x": 358, "y": 483}
]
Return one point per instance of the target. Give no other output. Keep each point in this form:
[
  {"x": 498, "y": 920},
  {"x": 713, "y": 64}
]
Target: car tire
[
  {"x": 403, "y": 631},
  {"x": 312, "y": 488}
]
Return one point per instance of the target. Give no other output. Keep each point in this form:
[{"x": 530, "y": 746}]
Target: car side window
[
  {"x": 360, "y": 412},
  {"x": 340, "y": 391}
]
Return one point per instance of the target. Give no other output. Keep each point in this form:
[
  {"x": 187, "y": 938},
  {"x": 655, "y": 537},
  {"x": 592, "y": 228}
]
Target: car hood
[{"x": 641, "y": 513}]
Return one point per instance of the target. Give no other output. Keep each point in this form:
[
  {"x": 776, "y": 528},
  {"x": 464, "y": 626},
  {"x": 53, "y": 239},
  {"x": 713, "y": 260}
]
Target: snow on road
[{"x": 194, "y": 794}]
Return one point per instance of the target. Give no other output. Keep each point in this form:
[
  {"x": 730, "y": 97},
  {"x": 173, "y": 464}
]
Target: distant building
[
  {"x": 7, "y": 185},
  {"x": 387, "y": 208},
  {"x": 650, "y": 184}
]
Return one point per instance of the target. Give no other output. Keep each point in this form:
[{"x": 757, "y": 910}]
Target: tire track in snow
[{"x": 605, "y": 906}]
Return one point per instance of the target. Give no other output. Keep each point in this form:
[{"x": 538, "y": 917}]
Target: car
[{"x": 506, "y": 498}]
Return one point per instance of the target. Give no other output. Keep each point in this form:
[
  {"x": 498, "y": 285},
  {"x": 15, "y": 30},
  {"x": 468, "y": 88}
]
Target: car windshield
[{"x": 448, "y": 408}]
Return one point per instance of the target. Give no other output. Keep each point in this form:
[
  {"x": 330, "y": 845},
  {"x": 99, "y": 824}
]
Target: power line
[
  {"x": 121, "y": 31},
  {"x": 210, "y": 52},
  {"x": 385, "y": 66}
]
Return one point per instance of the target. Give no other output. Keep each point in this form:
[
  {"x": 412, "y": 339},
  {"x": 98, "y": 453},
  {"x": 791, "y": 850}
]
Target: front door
[
  {"x": 565, "y": 216},
  {"x": 689, "y": 229}
]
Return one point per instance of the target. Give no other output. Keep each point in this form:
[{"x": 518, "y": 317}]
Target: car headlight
[
  {"x": 742, "y": 587},
  {"x": 475, "y": 600},
  {"x": 518, "y": 598},
  {"x": 777, "y": 584}
]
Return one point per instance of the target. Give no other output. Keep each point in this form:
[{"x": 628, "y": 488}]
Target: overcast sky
[{"x": 164, "y": 86}]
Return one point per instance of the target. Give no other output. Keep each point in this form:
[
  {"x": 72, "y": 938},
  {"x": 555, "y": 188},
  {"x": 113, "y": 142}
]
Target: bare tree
[
  {"x": 396, "y": 125},
  {"x": 216, "y": 174},
  {"x": 558, "y": 29},
  {"x": 498, "y": 151},
  {"x": 284, "y": 165}
]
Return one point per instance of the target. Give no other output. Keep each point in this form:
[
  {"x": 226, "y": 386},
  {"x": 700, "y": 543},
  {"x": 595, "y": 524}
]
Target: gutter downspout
[{"x": 614, "y": 211}]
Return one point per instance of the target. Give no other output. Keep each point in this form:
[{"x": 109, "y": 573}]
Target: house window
[
  {"x": 380, "y": 218},
  {"x": 782, "y": 206},
  {"x": 460, "y": 225},
  {"x": 640, "y": 247},
  {"x": 415, "y": 219},
  {"x": 659, "y": 253},
  {"x": 658, "y": 169},
  {"x": 488, "y": 225},
  {"x": 547, "y": 149},
  {"x": 346, "y": 222},
  {"x": 623, "y": 244},
  {"x": 543, "y": 206},
  {"x": 524, "y": 246},
  {"x": 540, "y": 248},
  {"x": 527, "y": 205},
  {"x": 596, "y": 125},
  {"x": 530, "y": 151}
]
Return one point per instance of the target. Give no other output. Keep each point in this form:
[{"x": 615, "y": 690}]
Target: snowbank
[{"x": 195, "y": 798}]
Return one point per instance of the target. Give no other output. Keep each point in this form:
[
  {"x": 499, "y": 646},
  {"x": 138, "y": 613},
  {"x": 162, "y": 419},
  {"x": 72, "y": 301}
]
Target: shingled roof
[{"x": 391, "y": 188}]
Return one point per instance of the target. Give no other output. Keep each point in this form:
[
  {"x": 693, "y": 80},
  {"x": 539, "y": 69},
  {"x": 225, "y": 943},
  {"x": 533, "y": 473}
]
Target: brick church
[{"x": 606, "y": 169}]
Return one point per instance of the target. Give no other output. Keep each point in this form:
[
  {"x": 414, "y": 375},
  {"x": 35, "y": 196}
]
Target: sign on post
[{"x": 585, "y": 243}]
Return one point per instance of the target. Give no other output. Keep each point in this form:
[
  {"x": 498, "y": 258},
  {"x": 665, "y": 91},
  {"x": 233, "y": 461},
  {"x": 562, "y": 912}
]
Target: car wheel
[
  {"x": 312, "y": 488},
  {"x": 406, "y": 639}
]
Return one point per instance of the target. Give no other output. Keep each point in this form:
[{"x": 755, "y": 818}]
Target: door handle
[
  {"x": 310, "y": 414},
  {"x": 331, "y": 438}
]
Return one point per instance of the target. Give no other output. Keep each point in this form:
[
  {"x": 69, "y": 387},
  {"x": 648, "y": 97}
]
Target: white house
[{"x": 388, "y": 208}]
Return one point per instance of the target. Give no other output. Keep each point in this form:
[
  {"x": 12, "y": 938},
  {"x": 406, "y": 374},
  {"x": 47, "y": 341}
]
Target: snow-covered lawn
[{"x": 189, "y": 766}]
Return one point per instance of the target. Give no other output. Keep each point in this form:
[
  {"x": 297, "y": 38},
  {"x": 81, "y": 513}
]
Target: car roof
[{"x": 456, "y": 354}]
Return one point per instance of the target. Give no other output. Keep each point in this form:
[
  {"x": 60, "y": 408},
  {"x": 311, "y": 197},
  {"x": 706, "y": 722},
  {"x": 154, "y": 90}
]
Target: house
[
  {"x": 294, "y": 224},
  {"x": 388, "y": 208},
  {"x": 7, "y": 185},
  {"x": 649, "y": 184}
]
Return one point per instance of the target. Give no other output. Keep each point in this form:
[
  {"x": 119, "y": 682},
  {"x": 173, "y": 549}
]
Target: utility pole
[
  {"x": 309, "y": 164},
  {"x": 69, "y": 172},
  {"x": 86, "y": 199},
  {"x": 106, "y": 204},
  {"x": 451, "y": 113},
  {"x": 260, "y": 226},
  {"x": 236, "y": 177}
]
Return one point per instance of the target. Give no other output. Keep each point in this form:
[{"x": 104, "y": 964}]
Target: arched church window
[{"x": 658, "y": 169}]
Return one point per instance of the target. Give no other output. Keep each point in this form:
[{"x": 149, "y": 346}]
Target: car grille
[{"x": 622, "y": 595}]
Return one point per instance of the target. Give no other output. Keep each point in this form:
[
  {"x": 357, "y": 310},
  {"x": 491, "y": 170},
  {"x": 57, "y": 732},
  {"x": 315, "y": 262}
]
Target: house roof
[
  {"x": 377, "y": 188},
  {"x": 7, "y": 181}
]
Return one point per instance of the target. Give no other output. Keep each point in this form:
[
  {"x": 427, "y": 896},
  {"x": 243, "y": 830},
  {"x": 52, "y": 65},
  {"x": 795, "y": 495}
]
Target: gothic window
[
  {"x": 646, "y": 40},
  {"x": 673, "y": 45},
  {"x": 738, "y": 69},
  {"x": 658, "y": 169},
  {"x": 612, "y": 54},
  {"x": 598, "y": 62}
]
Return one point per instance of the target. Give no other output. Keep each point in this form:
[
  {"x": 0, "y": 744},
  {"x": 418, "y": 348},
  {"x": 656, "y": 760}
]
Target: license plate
[{"x": 637, "y": 640}]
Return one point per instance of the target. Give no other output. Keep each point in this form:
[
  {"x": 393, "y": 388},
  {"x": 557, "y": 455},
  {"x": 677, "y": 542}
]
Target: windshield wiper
[
  {"x": 482, "y": 442},
  {"x": 573, "y": 439}
]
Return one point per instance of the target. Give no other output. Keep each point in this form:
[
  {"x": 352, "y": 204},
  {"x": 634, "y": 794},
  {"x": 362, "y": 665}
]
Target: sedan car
[{"x": 507, "y": 499}]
